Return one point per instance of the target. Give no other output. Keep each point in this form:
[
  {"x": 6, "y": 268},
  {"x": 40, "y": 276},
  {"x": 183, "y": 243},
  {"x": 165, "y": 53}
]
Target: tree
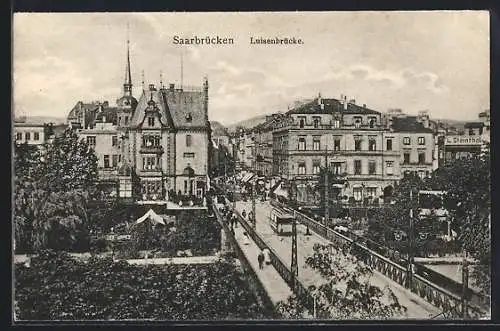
[
  {"x": 386, "y": 221},
  {"x": 52, "y": 187},
  {"x": 468, "y": 198},
  {"x": 346, "y": 291}
]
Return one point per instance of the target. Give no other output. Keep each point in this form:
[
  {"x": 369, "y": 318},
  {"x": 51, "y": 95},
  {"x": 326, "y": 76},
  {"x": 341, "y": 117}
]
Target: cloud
[{"x": 81, "y": 57}]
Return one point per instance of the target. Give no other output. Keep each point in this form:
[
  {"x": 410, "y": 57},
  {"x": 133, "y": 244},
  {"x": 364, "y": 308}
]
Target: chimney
[
  {"x": 364, "y": 105},
  {"x": 171, "y": 86},
  {"x": 353, "y": 101},
  {"x": 345, "y": 102},
  {"x": 152, "y": 87}
]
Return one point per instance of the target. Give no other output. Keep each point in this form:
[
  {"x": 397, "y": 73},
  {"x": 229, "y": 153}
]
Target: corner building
[
  {"x": 167, "y": 141},
  {"x": 347, "y": 138}
]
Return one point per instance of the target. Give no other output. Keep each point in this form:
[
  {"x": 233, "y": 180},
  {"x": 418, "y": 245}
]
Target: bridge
[{"x": 417, "y": 307}]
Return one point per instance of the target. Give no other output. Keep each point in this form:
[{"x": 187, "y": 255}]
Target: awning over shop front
[
  {"x": 247, "y": 177},
  {"x": 280, "y": 191}
]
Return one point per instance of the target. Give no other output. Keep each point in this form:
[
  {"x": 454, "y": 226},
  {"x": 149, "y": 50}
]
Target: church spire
[{"x": 127, "y": 85}]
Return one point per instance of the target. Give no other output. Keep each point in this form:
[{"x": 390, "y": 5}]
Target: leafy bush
[
  {"x": 57, "y": 287},
  {"x": 346, "y": 292}
]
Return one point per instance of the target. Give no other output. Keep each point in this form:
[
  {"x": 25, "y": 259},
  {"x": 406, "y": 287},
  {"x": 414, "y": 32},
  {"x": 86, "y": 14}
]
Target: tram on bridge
[{"x": 281, "y": 222}]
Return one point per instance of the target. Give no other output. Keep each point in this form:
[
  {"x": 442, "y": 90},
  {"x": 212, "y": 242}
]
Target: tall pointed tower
[{"x": 127, "y": 101}]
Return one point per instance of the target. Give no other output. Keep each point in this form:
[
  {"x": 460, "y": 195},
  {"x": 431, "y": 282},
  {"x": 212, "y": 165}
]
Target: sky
[{"x": 436, "y": 61}]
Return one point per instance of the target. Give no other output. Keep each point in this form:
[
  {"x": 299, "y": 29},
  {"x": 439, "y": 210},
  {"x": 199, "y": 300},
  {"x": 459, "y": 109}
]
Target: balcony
[
  {"x": 154, "y": 172},
  {"x": 151, "y": 149},
  {"x": 332, "y": 152},
  {"x": 107, "y": 173}
]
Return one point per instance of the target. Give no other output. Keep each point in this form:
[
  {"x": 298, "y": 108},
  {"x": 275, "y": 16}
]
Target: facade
[
  {"x": 162, "y": 139},
  {"x": 417, "y": 145},
  {"x": 167, "y": 141},
  {"x": 263, "y": 144},
  {"x": 238, "y": 141},
  {"x": 348, "y": 138},
  {"x": 248, "y": 149},
  {"x": 472, "y": 142},
  {"x": 30, "y": 133}
]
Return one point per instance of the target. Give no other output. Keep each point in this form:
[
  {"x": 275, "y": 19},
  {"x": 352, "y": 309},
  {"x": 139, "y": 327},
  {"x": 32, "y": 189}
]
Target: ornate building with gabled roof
[
  {"x": 167, "y": 141},
  {"x": 162, "y": 140}
]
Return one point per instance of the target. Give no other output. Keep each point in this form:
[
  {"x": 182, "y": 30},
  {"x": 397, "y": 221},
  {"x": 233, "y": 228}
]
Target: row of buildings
[
  {"x": 369, "y": 152},
  {"x": 162, "y": 140}
]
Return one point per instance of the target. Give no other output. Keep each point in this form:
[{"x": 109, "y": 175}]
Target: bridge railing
[
  {"x": 432, "y": 293},
  {"x": 299, "y": 289},
  {"x": 252, "y": 278}
]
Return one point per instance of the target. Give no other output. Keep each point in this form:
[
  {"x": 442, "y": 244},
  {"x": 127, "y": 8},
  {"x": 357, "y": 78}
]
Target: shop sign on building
[{"x": 457, "y": 140}]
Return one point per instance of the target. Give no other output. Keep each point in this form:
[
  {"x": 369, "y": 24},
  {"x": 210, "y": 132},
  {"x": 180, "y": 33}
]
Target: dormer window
[
  {"x": 151, "y": 121},
  {"x": 189, "y": 118},
  {"x": 302, "y": 121},
  {"x": 373, "y": 121},
  {"x": 316, "y": 121},
  {"x": 357, "y": 122}
]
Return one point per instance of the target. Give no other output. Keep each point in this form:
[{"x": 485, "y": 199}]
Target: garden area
[
  {"x": 57, "y": 287},
  {"x": 189, "y": 234}
]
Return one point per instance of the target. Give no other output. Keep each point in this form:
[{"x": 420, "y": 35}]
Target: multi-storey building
[
  {"x": 238, "y": 141},
  {"x": 167, "y": 141},
  {"x": 263, "y": 144},
  {"x": 249, "y": 151},
  {"x": 474, "y": 141},
  {"x": 30, "y": 133},
  {"x": 348, "y": 138},
  {"x": 416, "y": 144},
  {"x": 162, "y": 139}
]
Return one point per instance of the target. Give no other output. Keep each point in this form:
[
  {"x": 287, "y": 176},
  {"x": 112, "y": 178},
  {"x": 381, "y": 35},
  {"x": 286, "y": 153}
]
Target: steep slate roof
[
  {"x": 81, "y": 106},
  {"x": 409, "y": 124},
  {"x": 182, "y": 104},
  {"x": 268, "y": 125},
  {"x": 174, "y": 106},
  {"x": 109, "y": 113},
  {"x": 330, "y": 106},
  {"x": 139, "y": 114}
]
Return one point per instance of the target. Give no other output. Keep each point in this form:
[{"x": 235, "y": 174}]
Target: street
[{"x": 417, "y": 307}]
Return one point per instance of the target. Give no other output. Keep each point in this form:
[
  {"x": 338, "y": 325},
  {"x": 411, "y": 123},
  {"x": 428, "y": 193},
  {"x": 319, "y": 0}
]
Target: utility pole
[
  {"x": 465, "y": 284},
  {"x": 294, "y": 268},
  {"x": 254, "y": 183},
  {"x": 410, "y": 248},
  {"x": 327, "y": 191}
]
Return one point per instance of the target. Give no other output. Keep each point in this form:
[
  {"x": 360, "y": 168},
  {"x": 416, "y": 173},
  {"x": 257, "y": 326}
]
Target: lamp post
[
  {"x": 314, "y": 292},
  {"x": 294, "y": 265},
  {"x": 465, "y": 285},
  {"x": 327, "y": 193},
  {"x": 410, "y": 248},
  {"x": 254, "y": 220}
]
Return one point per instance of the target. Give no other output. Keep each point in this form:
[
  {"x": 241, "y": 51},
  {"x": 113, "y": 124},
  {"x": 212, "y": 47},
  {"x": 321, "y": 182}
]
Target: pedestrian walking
[
  {"x": 260, "y": 258},
  {"x": 235, "y": 220},
  {"x": 267, "y": 256},
  {"x": 246, "y": 239}
]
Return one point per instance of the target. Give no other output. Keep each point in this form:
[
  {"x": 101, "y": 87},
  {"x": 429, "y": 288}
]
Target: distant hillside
[
  {"x": 42, "y": 119},
  {"x": 454, "y": 123},
  {"x": 248, "y": 123},
  {"x": 218, "y": 129}
]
